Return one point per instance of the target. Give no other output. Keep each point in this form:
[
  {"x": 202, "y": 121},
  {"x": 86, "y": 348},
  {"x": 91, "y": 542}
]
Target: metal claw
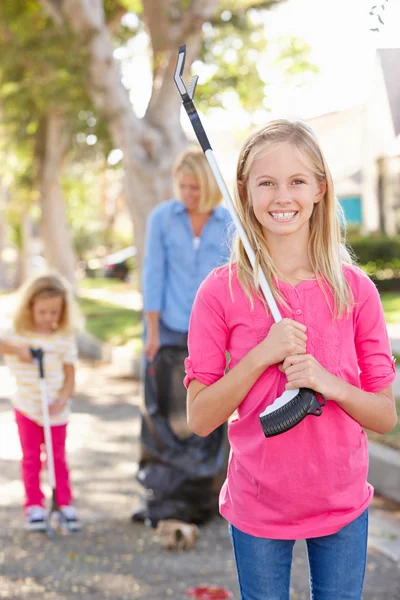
[
  {"x": 192, "y": 86},
  {"x": 179, "y": 70},
  {"x": 187, "y": 99}
]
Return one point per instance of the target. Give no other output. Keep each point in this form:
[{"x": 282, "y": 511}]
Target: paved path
[{"x": 112, "y": 558}]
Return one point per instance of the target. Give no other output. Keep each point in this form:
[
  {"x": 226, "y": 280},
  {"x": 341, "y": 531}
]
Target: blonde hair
[
  {"x": 46, "y": 286},
  {"x": 327, "y": 250},
  {"x": 192, "y": 161}
]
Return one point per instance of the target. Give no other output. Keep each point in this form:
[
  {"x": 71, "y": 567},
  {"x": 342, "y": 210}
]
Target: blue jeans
[{"x": 337, "y": 564}]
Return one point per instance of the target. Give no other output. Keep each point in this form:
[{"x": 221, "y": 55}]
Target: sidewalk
[{"x": 112, "y": 558}]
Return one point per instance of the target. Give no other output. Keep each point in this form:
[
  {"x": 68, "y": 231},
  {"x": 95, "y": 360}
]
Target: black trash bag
[{"x": 182, "y": 472}]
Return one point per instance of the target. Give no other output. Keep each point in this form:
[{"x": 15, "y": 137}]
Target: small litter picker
[
  {"x": 55, "y": 515},
  {"x": 294, "y": 405}
]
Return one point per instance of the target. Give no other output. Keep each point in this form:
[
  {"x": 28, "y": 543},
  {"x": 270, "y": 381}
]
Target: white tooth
[{"x": 287, "y": 215}]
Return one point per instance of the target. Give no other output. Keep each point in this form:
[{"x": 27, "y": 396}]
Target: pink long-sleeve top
[{"x": 312, "y": 480}]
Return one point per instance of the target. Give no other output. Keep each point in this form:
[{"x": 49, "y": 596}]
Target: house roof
[{"x": 390, "y": 62}]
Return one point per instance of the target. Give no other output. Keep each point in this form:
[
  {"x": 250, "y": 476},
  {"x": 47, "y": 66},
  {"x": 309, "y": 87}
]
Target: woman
[{"x": 186, "y": 239}]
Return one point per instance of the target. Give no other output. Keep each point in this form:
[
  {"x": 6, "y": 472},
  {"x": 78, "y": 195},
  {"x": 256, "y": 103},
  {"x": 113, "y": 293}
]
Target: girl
[
  {"x": 45, "y": 318},
  {"x": 186, "y": 238},
  {"x": 310, "y": 482}
]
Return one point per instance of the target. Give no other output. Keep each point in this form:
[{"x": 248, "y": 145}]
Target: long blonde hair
[
  {"x": 327, "y": 250},
  {"x": 46, "y": 286},
  {"x": 192, "y": 161}
]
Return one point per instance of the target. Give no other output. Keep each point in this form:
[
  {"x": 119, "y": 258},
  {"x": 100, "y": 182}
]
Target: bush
[
  {"x": 379, "y": 256},
  {"x": 375, "y": 248},
  {"x": 387, "y": 285}
]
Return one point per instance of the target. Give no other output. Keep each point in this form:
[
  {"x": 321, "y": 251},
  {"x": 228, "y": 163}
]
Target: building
[{"x": 362, "y": 146}]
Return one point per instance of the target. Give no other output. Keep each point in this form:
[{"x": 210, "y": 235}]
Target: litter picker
[
  {"x": 55, "y": 512},
  {"x": 294, "y": 405}
]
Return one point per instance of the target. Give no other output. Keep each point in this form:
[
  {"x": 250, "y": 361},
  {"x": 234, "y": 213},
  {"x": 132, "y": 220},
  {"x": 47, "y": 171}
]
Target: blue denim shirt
[{"x": 175, "y": 264}]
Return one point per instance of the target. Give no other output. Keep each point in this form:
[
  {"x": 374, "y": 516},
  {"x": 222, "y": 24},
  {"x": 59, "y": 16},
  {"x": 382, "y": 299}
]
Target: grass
[
  {"x": 391, "y": 439},
  {"x": 105, "y": 283},
  {"x": 391, "y": 306},
  {"x": 110, "y": 323}
]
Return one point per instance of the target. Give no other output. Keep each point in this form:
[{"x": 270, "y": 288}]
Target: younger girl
[
  {"x": 310, "y": 482},
  {"x": 45, "y": 318}
]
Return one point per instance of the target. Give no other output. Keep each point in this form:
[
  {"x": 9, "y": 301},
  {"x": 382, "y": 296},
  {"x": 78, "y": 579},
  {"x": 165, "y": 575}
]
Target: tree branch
[
  {"x": 111, "y": 98},
  {"x": 187, "y": 30},
  {"x": 167, "y": 23},
  {"x": 53, "y": 9}
]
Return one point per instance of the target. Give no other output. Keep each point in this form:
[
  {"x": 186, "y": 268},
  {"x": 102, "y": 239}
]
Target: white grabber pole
[
  {"x": 294, "y": 405},
  {"x": 38, "y": 355}
]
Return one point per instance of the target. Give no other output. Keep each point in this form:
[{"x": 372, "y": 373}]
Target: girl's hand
[
  {"x": 305, "y": 371},
  {"x": 24, "y": 354},
  {"x": 57, "y": 406},
  {"x": 284, "y": 339}
]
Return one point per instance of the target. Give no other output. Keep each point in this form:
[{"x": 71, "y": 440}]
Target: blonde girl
[
  {"x": 46, "y": 317},
  {"x": 310, "y": 482}
]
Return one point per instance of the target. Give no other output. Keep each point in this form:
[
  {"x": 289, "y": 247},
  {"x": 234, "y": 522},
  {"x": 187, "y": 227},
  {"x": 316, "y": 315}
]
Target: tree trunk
[
  {"x": 23, "y": 241},
  {"x": 149, "y": 145},
  {"x": 51, "y": 149},
  {"x": 23, "y": 265},
  {"x": 3, "y": 200}
]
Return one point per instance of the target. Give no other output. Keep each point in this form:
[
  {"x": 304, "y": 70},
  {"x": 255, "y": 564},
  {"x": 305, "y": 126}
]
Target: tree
[
  {"x": 150, "y": 144},
  {"x": 67, "y": 55},
  {"x": 377, "y": 15},
  {"x": 27, "y": 122},
  {"x": 42, "y": 91},
  {"x": 3, "y": 201},
  {"x": 16, "y": 209},
  {"x": 53, "y": 141}
]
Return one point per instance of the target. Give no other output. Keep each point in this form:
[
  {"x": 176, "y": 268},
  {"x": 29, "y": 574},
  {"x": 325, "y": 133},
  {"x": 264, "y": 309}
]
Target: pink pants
[{"x": 31, "y": 436}]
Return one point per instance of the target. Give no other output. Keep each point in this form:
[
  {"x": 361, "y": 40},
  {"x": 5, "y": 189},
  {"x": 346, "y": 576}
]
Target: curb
[
  {"x": 384, "y": 470},
  {"x": 396, "y": 383},
  {"x": 90, "y": 348},
  {"x": 126, "y": 363}
]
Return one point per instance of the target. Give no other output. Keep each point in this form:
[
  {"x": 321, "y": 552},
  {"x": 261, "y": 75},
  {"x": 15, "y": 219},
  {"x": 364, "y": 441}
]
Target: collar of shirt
[{"x": 217, "y": 213}]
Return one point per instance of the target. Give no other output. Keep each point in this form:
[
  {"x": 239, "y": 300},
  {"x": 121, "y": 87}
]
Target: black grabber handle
[{"x": 37, "y": 354}]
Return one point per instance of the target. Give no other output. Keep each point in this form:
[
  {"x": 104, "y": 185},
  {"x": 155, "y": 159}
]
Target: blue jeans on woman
[{"x": 337, "y": 564}]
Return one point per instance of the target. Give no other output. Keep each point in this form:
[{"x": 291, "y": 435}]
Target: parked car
[{"x": 118, "y": 265}]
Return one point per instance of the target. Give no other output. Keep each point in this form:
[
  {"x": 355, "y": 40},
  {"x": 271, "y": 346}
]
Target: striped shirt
[{"x": 59, "y": 350}]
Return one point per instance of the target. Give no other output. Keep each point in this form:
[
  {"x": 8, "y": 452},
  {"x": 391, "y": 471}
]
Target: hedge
[
  {"x": 375, "y": 248},
  {"x": 379, "y": 256}
]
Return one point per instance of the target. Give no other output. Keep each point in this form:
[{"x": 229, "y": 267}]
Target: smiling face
[
  {"x": 283, "y": 191},
  {"x": 46, "y": 313}
]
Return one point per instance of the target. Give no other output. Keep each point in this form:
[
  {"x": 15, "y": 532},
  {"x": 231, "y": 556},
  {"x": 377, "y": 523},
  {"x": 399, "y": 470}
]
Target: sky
[{"x": 342, "y": 46}]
